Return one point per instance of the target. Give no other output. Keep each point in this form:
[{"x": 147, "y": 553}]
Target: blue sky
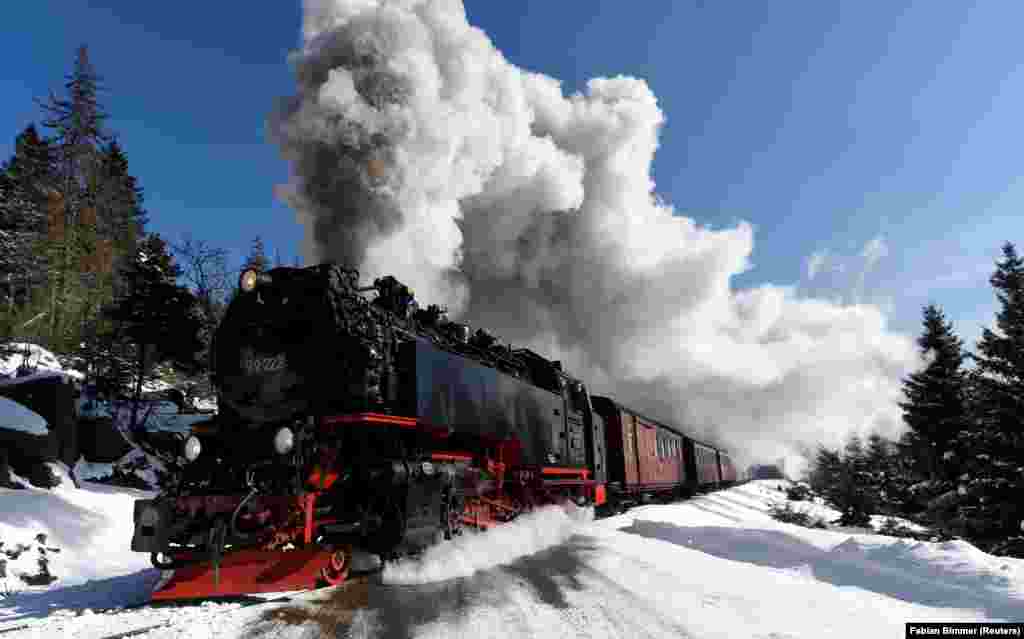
[{"x": 825, "y": 125}]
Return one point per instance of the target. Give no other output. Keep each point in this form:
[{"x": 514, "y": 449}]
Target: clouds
[
  {"x": 843, "y": 278},
  {"x": 533, "y": 213}
]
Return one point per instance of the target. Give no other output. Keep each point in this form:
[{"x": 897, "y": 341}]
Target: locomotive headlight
[
  {"x": 192, "y": 448},
  {"x": 284, "y": 441},
  {"x": 247, "y": 281}
]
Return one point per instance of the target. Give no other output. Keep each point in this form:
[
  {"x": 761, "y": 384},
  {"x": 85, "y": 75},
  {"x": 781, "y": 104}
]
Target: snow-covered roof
[{"x": 14, "y": 416}]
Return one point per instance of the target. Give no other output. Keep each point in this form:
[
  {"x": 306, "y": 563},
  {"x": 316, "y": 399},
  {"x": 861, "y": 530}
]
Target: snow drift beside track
[{"x": 465, "y": 555}]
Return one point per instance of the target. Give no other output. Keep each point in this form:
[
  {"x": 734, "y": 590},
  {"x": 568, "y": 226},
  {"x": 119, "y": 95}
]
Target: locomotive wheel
[
  {"x": 451, "y": 517},
  {"x": 336, "y": 571}
]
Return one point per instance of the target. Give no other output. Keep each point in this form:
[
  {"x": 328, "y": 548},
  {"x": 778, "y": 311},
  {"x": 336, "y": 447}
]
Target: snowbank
[{"x": 90, "y": 529}]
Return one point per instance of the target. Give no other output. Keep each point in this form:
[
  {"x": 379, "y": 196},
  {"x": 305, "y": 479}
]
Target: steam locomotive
[{"x": 352, "y": 423}]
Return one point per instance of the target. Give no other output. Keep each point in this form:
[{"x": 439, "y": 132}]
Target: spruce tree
[
  {"x": 78, "y": 123},
  {"x": 33, "y": 166},
  {"x": 936, "y": 408},
  {"x": 122, "y": 215},
  {"x": 856, "y": 493},
  {"x": 159, "y": 317},
  {"x": 77, "y": 119},
  {"x": 25, "y": 182},
  {"x": 884, "y": 472},
  {"x": 993, "y": 473},
  {"x": 844, "y": 480},
  {"x": 825, "y": 472}
]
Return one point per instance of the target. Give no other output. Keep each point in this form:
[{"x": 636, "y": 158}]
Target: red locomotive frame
[{"x": 507, "y": 490}]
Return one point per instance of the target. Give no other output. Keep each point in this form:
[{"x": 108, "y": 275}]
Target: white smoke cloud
[{"x": 533, "y": 214}]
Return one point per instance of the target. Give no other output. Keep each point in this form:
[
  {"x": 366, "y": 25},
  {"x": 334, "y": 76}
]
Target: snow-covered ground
[{"x": 715, "y": 566}]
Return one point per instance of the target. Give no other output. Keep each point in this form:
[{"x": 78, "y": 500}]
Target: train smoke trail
[{"x": 419, "y": 150}]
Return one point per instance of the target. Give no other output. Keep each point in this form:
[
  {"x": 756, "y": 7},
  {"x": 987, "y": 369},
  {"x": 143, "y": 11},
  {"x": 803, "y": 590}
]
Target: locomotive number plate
[{"x": 252, "y": 364}]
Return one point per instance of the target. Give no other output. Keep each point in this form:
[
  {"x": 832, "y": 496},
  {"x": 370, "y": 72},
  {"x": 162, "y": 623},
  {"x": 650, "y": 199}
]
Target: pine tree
[
  {"x": 122, "y": 216},
  {"x": 844, "y": 480},
  {"x": 33, "y": 165},
  {"x": 909, "y": 473},
  {"x": 825, "y": 472},
  {"x": 993, "y": 477},
  {"x": 158, "y": 316},
  {"x": 856, "y": 492},
  {"x": 936, "y": 409},
  {"x": 77, "y": 120},
  {"x": 882, "y": 466},
  {"x": 25, "y": 181}
]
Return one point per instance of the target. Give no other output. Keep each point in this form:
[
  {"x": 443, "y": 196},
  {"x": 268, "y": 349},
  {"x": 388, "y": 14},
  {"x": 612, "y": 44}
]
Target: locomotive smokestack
[{"x": 418, "y": 150}]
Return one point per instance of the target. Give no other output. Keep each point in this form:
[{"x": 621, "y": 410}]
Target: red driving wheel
[{"x": 336, "y": 570}]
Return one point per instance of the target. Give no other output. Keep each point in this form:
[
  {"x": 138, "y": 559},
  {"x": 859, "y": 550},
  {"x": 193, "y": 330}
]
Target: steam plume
[{"x": 419, "y": 150}]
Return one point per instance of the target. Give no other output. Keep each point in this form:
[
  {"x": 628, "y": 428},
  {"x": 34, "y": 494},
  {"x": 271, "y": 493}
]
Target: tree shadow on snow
[
  {"x": 891, "y": 570},
  {"x": 369, "y": 608}
]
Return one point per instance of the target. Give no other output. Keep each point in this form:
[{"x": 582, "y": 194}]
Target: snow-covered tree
[
  {"x": 936, "y": 407},
  {"x": 991, "y": 476},
  {"x": 845, "y": 481}
]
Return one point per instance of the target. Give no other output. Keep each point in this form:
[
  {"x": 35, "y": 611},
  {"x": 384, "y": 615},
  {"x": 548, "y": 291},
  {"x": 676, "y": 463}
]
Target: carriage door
[{"x": 629, "y": 446}]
